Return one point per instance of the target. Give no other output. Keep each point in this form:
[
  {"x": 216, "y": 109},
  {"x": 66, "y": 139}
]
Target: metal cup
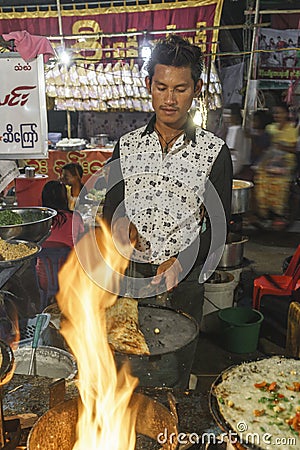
[{"x": 29, "y": 172}]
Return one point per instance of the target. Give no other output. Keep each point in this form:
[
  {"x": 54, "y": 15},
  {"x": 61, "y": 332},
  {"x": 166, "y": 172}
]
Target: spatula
[{"x": 41, "y": 319}]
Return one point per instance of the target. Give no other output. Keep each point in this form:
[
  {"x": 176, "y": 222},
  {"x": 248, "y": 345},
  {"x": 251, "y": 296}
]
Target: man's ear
[
  {"x": 198, "y": 88},
  {"x": 148, "y": 83}
]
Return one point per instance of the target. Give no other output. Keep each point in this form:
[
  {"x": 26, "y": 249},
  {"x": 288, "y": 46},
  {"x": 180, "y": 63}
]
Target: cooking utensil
[
  {"x": 240, "y": 196},
  {"x": 41, "y": 319},
  {"x": 100, "y": 140},
  {"x": 11, "y": 262},
  {"x": 35, "y": 227},
  {"x": 233, "y": 251},
  {"x": 50, "y": 362}
]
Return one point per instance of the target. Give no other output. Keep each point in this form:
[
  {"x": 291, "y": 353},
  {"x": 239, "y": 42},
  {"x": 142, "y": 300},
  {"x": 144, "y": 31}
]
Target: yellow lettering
[
  {"x": 200, "y": 36},
  {"x": 171, "y": 27},
  {"x": 132, "y": 45},
  {"x": 119, "y": 53},
  {"x": 88, "y": 27}
]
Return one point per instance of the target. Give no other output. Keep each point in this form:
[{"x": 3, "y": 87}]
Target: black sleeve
[
  {"x": 115, "y": 187},
  {"x": 221, "y": 178}
]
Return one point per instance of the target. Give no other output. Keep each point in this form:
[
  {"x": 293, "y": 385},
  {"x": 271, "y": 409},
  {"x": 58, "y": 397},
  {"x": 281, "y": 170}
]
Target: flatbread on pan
[
  {"x": 260, "y": 401},
  {"x": 123, "y": 332}
]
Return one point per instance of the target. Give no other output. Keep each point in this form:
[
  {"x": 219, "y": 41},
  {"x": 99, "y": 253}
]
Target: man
[
  {"x": 158, "y": 185},
  {"x": 238, "y": 143}
]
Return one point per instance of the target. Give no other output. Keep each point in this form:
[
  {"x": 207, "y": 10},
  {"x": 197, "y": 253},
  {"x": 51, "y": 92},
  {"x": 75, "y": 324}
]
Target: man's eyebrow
[{"x": 183, "y": 84}]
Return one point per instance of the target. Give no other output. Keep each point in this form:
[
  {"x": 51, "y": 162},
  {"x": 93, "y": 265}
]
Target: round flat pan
[{"x": 215, "y": 410}]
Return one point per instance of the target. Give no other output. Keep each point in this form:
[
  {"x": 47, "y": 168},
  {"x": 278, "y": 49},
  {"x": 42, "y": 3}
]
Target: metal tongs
[{"x": 41, "y": 320}]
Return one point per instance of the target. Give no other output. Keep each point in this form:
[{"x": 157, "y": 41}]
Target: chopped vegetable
[
  {"x": 8, "y": 217},
  {"x": 260, "y": 385},
  {"x": 295, "y": 387}
]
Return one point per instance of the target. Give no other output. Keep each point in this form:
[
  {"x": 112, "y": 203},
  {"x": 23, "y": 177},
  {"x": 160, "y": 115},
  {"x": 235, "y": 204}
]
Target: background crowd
[{"x": 266, "y": 152}]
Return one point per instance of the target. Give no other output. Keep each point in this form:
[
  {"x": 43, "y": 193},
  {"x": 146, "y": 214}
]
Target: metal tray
[{"x": 13, "y": 262}]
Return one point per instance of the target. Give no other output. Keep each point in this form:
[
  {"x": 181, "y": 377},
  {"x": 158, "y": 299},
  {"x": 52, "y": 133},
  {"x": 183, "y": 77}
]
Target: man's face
[{"x": 172, "y": 91}]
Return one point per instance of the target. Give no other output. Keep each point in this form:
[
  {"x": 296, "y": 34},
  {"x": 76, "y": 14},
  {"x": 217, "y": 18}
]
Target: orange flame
[{"x": 105, "y": 420}]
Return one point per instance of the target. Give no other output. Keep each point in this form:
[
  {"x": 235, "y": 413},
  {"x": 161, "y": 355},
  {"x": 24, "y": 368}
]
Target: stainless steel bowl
[
  {"x": 11, "y": 262},
  {"x": 35, "y": 227}
]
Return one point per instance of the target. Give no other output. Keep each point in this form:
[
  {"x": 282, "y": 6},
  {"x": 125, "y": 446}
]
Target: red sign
[
  {"x": 90, "y": 160},
  {"x": 180, "y": 15}
]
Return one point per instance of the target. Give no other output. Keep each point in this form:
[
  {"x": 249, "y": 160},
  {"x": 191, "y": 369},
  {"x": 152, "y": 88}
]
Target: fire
[{"x": 105, "y": 419}]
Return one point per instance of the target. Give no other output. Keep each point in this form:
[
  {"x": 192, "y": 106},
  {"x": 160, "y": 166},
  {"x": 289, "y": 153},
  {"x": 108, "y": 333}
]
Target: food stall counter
[{"x": 91, "y": 161}]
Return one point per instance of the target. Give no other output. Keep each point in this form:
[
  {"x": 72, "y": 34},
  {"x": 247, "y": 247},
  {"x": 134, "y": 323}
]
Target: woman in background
[
  {"x": 238, "y": 143},
  {"x": 71, "y": 176},
  {"x": 276, "y": 170},
  {"x": 67, "y": 228}
]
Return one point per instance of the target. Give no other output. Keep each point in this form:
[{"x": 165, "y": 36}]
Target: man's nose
[{"x": 171, "y": 96}]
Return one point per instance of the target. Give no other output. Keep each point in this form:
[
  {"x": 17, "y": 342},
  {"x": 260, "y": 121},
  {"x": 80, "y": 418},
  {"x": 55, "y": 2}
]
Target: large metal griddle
[{"x": 217, "y": 415}]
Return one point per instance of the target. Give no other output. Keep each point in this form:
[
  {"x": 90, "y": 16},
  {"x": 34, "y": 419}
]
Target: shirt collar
[{"x": 189, "y": 128}]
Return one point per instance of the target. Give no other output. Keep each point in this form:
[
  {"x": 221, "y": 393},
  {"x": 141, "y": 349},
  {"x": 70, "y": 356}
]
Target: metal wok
[{"x": 55, "y": 430}]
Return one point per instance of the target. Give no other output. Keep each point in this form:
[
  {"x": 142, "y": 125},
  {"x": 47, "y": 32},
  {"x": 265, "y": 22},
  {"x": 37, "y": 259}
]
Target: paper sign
[{"x": 23, "y": 125}]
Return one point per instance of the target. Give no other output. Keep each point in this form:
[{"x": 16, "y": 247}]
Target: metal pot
[
  {"x": 49, "y": 362},
  {"x": 100, "y": 140},
  {"x": 240, "y": 196},
  {"x": 233, "y": 251},
  {"x": 56, "y": 429}
]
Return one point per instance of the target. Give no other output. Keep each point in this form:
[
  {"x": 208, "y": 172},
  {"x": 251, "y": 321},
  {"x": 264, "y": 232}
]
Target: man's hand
[{"x": 169, "y": 271}]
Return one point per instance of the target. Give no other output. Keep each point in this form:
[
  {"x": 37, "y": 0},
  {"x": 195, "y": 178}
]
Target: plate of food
[
  {"x": 96, "y": 196},
  {"x": 258, "y": 402},
  {"x": 16, "y": 251},
  {"x": 71, "y": 144}
]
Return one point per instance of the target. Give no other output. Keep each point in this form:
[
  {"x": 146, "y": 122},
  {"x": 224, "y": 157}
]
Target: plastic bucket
[
  {"x": 240, "y": 328},
  {"x": 218, "y": 294}
]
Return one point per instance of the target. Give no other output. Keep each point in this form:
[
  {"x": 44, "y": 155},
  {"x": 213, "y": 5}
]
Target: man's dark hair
[{"x": 178, "y": 52}]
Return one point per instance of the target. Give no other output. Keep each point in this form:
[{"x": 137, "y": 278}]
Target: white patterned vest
[{"x": 164, "y": 193}]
